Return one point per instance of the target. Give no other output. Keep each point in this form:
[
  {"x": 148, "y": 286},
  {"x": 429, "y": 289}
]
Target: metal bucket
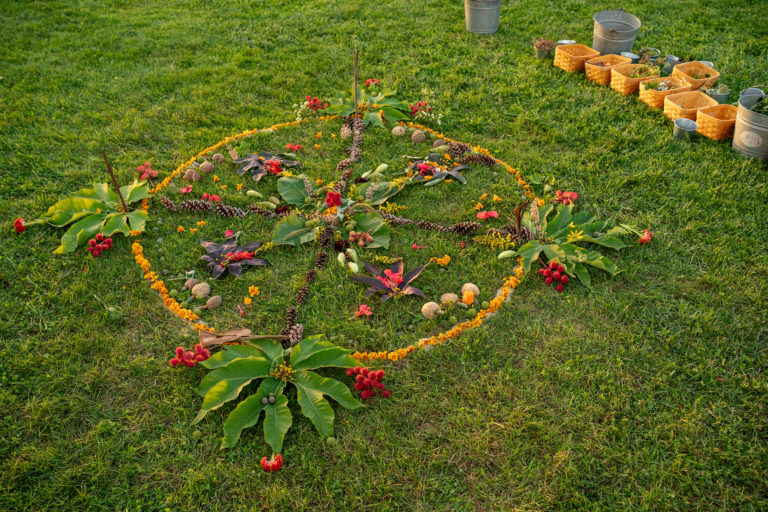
[
  {"x": 615, "y": 31},
  {"x": 685, "y": 129},
  {"x": 482, "y": 16},
  {"x": 750, "y": 135}
]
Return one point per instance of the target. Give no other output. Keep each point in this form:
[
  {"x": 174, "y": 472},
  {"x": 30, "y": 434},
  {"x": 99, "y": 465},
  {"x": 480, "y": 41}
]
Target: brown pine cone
[
  {"x": 301, "y": 295},
  {"x": 169, "y": 205},
  {"x": 322, "y": 260}
]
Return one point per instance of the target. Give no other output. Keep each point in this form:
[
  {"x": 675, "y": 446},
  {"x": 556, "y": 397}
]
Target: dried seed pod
[
  {"x": 206, "y": 167},
  {"x": 190, "y": 283},
  {"x": 470, "y": 287},
  {"x": 345, "y": 132},
  {"x": 219, "y": 158},
  {"x": 430, "y": 309},
  {"x": 438, "y": 143},
  {"x": 201, "y": 290},
  {"x": 449, "y": 298},
  {"x": 398, "y": 131},
  {"x": 191, "y": 175},
  {"x": 418, "y": 137},
  {"x": 213, "y": 302}
]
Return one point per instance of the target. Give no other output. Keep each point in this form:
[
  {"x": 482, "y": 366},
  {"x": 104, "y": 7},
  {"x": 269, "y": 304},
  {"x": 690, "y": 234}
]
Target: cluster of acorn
[
  {"x": 555, "y": 273},
  {"x": 98, "y": 245}
]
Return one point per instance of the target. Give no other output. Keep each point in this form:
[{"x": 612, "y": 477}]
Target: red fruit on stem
[
  {"x": 380, "y": 374},
  {"x": 386, "y": 393},
  {"x": 541, "y": 271},
  {"x": 173, "y": 362},
  {"x": 547, "y": 273},
  {"x": 89, "y": 249},
  {"x": 556, "y": 275},
  {"x": 99, "y": 237},
  {"x": 108, "y": 241},
  {"x": 564, "y": 279},
  {"x": 364, "y": 395},
  {"x": 356, "y": 369},
  {"x": 553, "y": 265},
  {"x": 548, "y": 280},
  {"x": 359, "y": 386},
  {"x": 560, "y": 269},
  {"x": 360, "y": 378},
  {"x": 91, "y": 242},
  {"x": 96, "y": 253},
  {"x": 350, "y": 372},
  {"x": 364, "y": 371},
  {"x": 559, "y": 288}
]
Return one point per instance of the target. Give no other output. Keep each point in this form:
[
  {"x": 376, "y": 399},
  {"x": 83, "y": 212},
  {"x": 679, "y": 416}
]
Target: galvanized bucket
[
  {"x": 750, "y": 135},
  {"x": 615, "y": 31},
  {"x": 482, "y": 16}
]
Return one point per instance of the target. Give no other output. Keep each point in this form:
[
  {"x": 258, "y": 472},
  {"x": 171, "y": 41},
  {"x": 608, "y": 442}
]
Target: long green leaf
[
  {"x": 116, "y": 223},
  {"x": 374, "y": 225},
  {"x": 229, "y": 354},
  {"x": 137, "y": 220},
  {"x": 292, "y": 190},
  {"x": 247, "y": 412},
  {"x": 316, "y": 352},
  {"x": 583, "y": 274},
  {"x": 136, "y": 191},
  {"x": 271, "y": 348},
  {"x": 277, "y": 422},
  {"x": 530, "y": 252},
  {"x": 79, "y": 232},
  {"x": 225, "y": 383},
  {"x": 329, "y": 387},
  {"x": 315, "y": 407},
  {"x": 293, "y": 230},
  {"x": 71, "y": 209}
]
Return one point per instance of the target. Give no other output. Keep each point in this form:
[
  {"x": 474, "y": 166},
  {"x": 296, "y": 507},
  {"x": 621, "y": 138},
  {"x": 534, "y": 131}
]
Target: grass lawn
[{"x": 647, "y": 393}]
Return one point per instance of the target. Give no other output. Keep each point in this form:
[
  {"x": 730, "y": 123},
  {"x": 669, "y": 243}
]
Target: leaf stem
[
  {"x": 357, "y": 52},
  {"x": 114, "y": 180}
]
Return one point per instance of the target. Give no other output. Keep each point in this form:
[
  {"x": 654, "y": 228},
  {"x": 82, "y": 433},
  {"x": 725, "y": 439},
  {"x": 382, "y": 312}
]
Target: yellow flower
[
  {"x": 239, "y": 187},
  {"x": 180, "y": 229},
  {"x": 201, "y": 223},
  {"x": 223, "y": 187},
  {"x": 571, "y": 225},
  {"x": 427, "y": 177},
  {"x": 449, "y": 180},
  {"x": 479, "y": 206},
  {"x": 484, "y": 196},
  {"x": 333, "y": 135},
  {"x": 574, "y": 236},
  {"x": 317, "y": 146},
  {"x": 253, "y": 290},
  {"x": 318, "y": 182},
  {"x": 468, "y": 298},
  {"x": 496, "y": 198},
  {"x": 540, "y": 202},
  {"x": 319, "y": 135},
  {"x": 193, "y": 230},
  {"x": 216, "y": 178},
  {"x": 98, "y": 210},
  {"x": 246, "y": 300}
]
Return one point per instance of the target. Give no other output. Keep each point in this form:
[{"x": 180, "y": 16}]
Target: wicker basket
[
  {"x": 602, "y": 74},
  {"x": 690, "y": 70},
  {"x": 655, "y": 98},
  {"x": 716, "y": 122},
  {"x": 571, "y": 57},
  {"x": 621, "y": 81},
  {"x": 686, "y": 104}
]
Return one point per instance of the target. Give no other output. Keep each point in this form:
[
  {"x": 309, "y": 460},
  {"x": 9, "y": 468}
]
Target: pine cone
[
  {"x": 290, "y": 317},
  {"x": 229, "y": 211},
  {"x": 477, "y": 158},
  {"x": 326, "y": 237},
  {"x": 344, "y": 164},
  {"x": 425, "y": 224},
  {"x": 195, "y": 205},
  {"x": 310, "y": 276},
  {"x": 346, "y": 131},
  {"x": 395, "y": 219},
  {"x": 465, "y": 228},
  {"x": 322, "y": 260},
  {"x": 264, "y": 212},
  {"x": 457, "y": 149},
  {"x": 301, "y": 295},
  {"x": 169, "y": 205},
  {"x": 295, "y": 334}
]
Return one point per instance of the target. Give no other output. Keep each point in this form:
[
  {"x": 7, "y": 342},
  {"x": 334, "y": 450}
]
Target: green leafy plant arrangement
[
  {"x": 377, "y": 105},
  {"x": 560, "y": 238},
  {"x": 95, "y": 210},
  {"x": 236, "y": 366}
]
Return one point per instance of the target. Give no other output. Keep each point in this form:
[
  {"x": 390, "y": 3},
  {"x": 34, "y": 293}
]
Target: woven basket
[
  {"x": 621, "y": 81},
  {"x": 571, "y": 57},
  {"x": 686, "y": 104},
  {"x": 602, "y": 74},
  {"x": 716, "y": 122},
  {"x": 655, "y": 98},
  {"x": 687, "y": 70}
]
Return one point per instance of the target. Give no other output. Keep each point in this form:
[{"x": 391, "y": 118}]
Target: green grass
[{"x": 647, "y": 393}]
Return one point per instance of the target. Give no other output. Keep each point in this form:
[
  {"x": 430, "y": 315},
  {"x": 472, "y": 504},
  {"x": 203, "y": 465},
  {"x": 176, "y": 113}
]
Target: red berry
[
  {"x": 356, "y": 369},
  {"x": 359, "y": 378},
  {"x": 108, "y": 241},
  {"x": 99, "y": 237},
  {"x": 548, "y": 280},
  {"x": 556, "y": 275},
  {"x": 386, "y": 393},
  {"x": 564, "y": 279},
  {"x": 364, "y": 395},
  {"x": 367, "y": 382},
  {"x": 359, "y": 386},
  {"x": 541, "y": 271},
  {"x": 547, "y": 273},
  {"x": 350, "y": 372},
  {"x": 96, "y": 253},
  {"x": 561, "y": 269},
  {"x": 380, "y": 374},
  {"x": 559, "y": 288},
  {"x": 364, "y": 371},
  {"x": 89, "y": 249},
  {"x": 91, "y": 242},
  {"x": 553, "y": 265}
]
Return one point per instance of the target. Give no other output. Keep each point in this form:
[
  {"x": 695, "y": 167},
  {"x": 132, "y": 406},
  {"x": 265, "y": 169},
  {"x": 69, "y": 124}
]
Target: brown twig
[
  {"x": 357, "y": 52},
  {"x": 114, "y": 180}
]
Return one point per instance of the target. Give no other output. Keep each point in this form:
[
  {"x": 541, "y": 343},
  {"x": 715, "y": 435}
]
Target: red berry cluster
[
  {"x": 315, "y": 104},
  {"x": 272, "y": 465},
  {"x": 294, "y": 147},
  {"x": 555, "y": 273},
  {"x": 372, "y": 81},
  {"x": 419, "y": 107},
  {"x": 565, "y": 197},
  {"x": 368, "y": 381},
  {"x": 98, "y": 245},
  {"x": 189, "y": 358},
  {"x": 211, "y": 198}
]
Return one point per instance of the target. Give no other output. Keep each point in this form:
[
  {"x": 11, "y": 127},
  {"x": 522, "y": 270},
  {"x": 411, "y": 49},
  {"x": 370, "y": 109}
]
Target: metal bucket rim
[
  {"x": 619, "y": 13},
  {"x": 686, "y": 124}
]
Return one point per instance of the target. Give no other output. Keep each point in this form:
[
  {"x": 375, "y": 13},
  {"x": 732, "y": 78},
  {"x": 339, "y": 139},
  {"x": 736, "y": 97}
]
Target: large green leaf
[
  {"x": 116, "y": 222},
  {"x": 271, "y": 348},
  {"x": 530, "y": 252},
  {"x": 247, "y": 412},
  {"x": 583, "y": 274},
  {"x": 374, "y": 225},
  {"x": 559, "y": 221},
  {"x": 225, "y": 383},
  {"x": 315, "y": 407},
  {"x": 383, "y": 191},
  {"x": 136, "y": 191},
  {"x": 593, "y": 258},
  {"x": 79, "y": 232},
  {"x": 328, "y": 387},
  {"x": 292, "y": 190},
  {"x": 606, "y": 241},
  {"x": 392, "y": 114},
  {"x": 293, "y": 230},
  {"x": 229, "y": 354},
  {"x": 554, "y": 252},
  {"x": 137, "y": 220},
  {"x": 316, "y": 352},
  {"x": 277, "y": 422},
  {"x": 71, "y": 209}
]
